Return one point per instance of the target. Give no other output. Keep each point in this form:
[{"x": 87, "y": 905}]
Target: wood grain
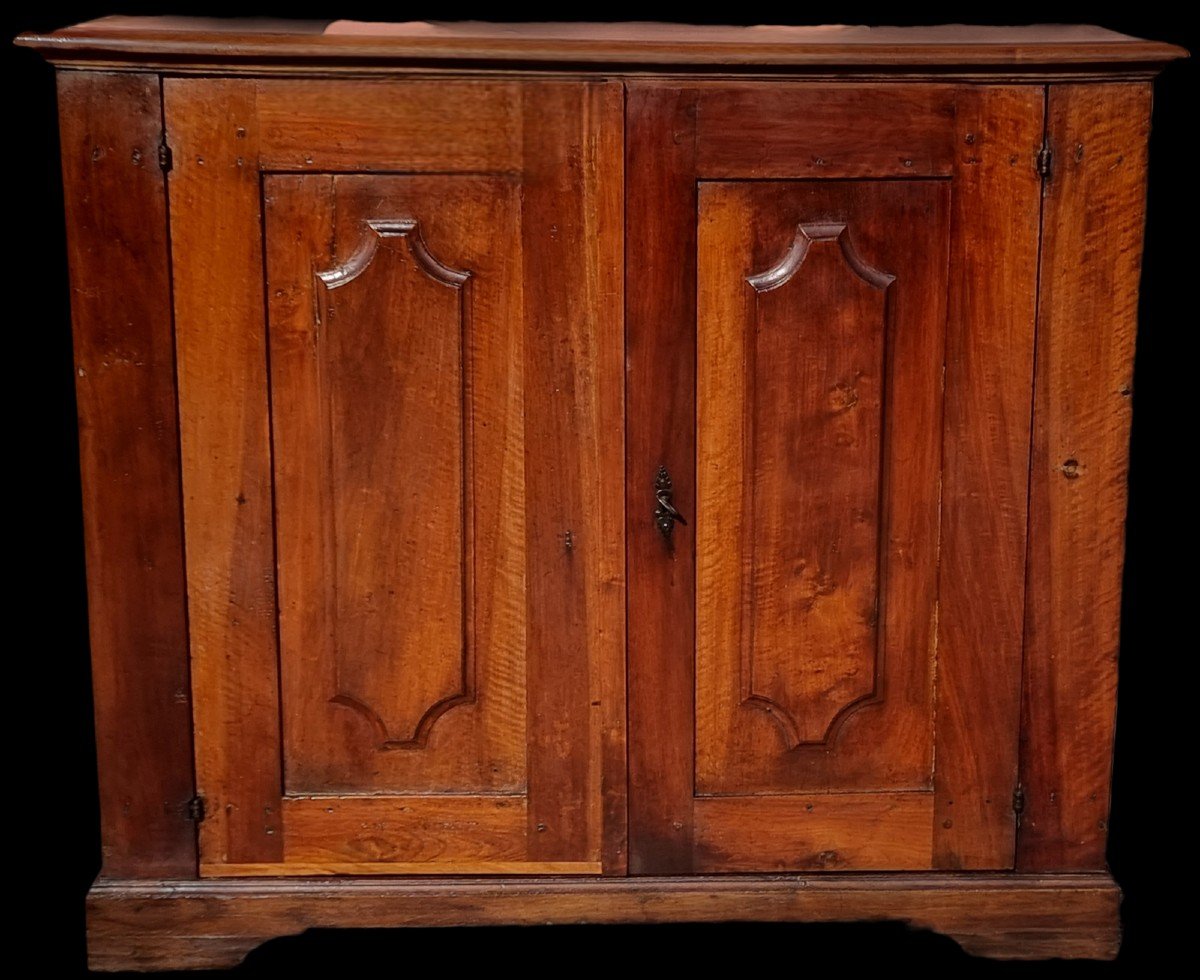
[
  {"x": 739, "y": 131},
  {"x": 388, "y": 374},
  {"x": 989, "y": 370},
  {"x": 154, "y": 925},
  {"x": 978, "y": 647},
  {"x": 819, "y": 398},
  {"x": 366, "y": 869},
  {"x": 1087, "y": 319},
  {"x": 573, "y": 410},
  {"x": 826, "y": 832},
  {"x": 448, "y": 126},
  {"x": 605, "y": 244},
  {"x": 540, "y": 529},
  {"x": 199, "y": 42},
  {"x": 660, "y": 343},
  {"x": 395, "y": 305},
  {"x": 433, "y": 830},
  {"x": 216, "y": 239},
  {"x": 115, "y": 198}
]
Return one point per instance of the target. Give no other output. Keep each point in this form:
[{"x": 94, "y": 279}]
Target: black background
[{"x": 51, "y": 813}]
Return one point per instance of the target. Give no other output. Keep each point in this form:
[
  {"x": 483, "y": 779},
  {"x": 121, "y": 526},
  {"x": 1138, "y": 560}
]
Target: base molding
[{"x": 214, "y": 923}]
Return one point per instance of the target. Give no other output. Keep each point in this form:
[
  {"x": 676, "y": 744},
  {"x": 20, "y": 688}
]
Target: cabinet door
[
  {"x": 830, "y": 325},
  {"x": 399, "y": 340}
]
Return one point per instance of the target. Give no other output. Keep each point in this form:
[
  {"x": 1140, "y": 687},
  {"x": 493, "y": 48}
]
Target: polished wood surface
[
  {"x": 985, "y": 461},
  {"x": 816, "y": 542},
  {"x": 110, "y": 126},
  {"x": 1087, "y": 319},
  {"x": 398, "y": 448},
  {"x": 660, "y": 338},
  {"x": 221, "y": 345},
  {"x": 739, "y": 135},
  {"x": 575, "y": 438},
  {"x": 214, "y": 924},
  {"x": 183, "y": 41},
  {"x": 433, "y": 326},
  {"x": 418, "y": 127},
  {"x": 844, "y": 831},
  {"x": 430, "y": 408},
  {"x": 807, "y": 608}
]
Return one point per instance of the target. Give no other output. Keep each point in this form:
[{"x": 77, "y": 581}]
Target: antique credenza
[{"x": 602, "y": 473}]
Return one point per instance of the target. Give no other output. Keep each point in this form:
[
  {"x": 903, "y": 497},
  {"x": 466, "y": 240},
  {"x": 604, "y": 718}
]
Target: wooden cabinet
[{"x": 529, "y": 495}]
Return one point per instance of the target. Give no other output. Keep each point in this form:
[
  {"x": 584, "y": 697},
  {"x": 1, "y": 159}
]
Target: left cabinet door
[{"x": 397, "y": 309}]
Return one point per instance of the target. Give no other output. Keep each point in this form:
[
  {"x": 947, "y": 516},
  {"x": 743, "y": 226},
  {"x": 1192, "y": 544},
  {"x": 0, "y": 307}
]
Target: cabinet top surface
[{"x": 276, "y": 44}]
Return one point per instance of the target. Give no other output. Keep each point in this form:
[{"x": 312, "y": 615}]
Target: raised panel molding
[
  {"x": 820, "y": 320},
  {"x": 440, "y": 693},
  {"x": 396, "y": 423},
  {"x": 420, "y": 734},
  {"x": 822, "y": 231},
  {"x": 408, "y": 229},
  {"x": 802, "y": 719}
]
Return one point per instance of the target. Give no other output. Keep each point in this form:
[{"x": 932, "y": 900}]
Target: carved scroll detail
[
  {"x": 806, "y": 234},
  {"x": 420, "y": 735},
  {"x": 789, "y": 728},
  {"x": 410, "y": 230}
]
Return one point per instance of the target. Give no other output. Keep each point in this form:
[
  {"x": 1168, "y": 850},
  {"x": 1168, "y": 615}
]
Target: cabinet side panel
[
  {"x": 216, "y": 240},
  {"x": 1091, "y": 258},
  {"x": 989, "y": 374},
  {"x": 129, "y": 460}
]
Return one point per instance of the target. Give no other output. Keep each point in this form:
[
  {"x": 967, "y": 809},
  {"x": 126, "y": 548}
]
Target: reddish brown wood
[
  {"x": 739, "y": 131},
  {"x": 660, "y": 343},
  {"x": 182, "y": 41},
  {"x": 129, "y": 462},
  {"x": 821, "y": 832},
  {"x": 420, "y": 830},
  {"x": 446, "y": 423},
  {"x": 444, "y": 126},
  {"x": 821, "y": 321},
  {"x": 393, "y": 382},
  {"x": 216, "y": 239},
  {"x": 152, "y": 925},
  {"x": 396, "y": 404},
  {"x": 989, "y": 370},
  {"x": 605, "y": 240},
  {"x": 572, "y": 358},
  {"x": 1087, "y": 318},
  {"x": 974, "y": 717}
]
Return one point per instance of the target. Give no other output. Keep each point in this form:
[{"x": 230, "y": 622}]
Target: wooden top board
[{"x": 267, "y": 45}]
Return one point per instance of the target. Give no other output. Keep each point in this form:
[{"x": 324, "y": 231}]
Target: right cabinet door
[{"x": 832, "y": 295}]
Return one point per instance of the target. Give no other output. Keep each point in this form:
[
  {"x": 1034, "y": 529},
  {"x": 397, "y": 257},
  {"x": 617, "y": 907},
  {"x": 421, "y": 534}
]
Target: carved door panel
[
  {"x": 825, "y": 660},
  {"x": 819, "y": 348},
  {"x": 402, "y": 474},
  {"x": 394, "y": 303}
]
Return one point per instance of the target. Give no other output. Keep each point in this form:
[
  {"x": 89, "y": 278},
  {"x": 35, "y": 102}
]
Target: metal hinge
[
  {"x": 1045, "y": 160},
  {"x": 195, "y": 808},
  {"x": 165, "y": 159},
  {"x": 1018, "y": 803}
]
